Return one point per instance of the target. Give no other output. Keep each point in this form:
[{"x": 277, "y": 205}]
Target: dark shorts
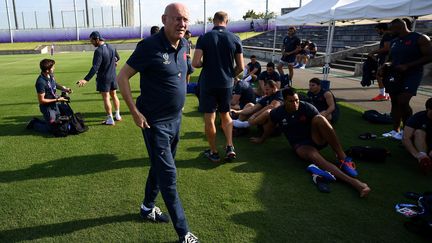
[
  {"x": 215, "y": 99},
  {"x": 106, "y": 86},
  {"x": 310, "y": 142},
  {"x": 190, "y": 69},
  {"x": 411, "y": 83},
  {"x": 288, "y": 60}
]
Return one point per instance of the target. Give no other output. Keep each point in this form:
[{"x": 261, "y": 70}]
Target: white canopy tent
[{"x": 319, "y": 11}]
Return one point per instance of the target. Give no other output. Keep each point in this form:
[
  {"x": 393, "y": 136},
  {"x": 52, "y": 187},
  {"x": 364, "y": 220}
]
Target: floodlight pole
[
  {"x": 51, "y": 14},
  {"x": 76, "y": 20},
  {"x": 140, "y": 22},
  {"x": 9, "y": 22},
  {"x": 205, "y": 18}
]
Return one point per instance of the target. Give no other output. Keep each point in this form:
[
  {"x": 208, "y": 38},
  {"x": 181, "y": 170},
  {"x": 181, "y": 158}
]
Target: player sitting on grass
[{"x": 308, "y": 132}]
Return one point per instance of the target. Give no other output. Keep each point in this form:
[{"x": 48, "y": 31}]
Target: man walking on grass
[
  {"x": 105, "y": 60},
  {"x": 161, "y": 62},
  {"x": 216, "y": 52}
]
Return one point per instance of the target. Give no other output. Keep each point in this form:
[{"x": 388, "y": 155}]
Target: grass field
[{"x": 88, "y": 188}]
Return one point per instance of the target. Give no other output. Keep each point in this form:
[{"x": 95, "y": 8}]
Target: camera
[{"x": 65, "y": 95}]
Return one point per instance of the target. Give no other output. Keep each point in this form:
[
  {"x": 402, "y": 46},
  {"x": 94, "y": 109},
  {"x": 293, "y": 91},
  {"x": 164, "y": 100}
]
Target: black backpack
[
  {"x": 76, "y": 123},
  {"x": 61, "y": 127},
  {"x": 370, "y": 67},
  {"x": 422, "y": 222},
  {"x": 374, "y": 116}
]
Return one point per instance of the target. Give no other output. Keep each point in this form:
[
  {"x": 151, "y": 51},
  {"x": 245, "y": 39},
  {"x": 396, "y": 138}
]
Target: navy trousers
[{"x": 161, "y": 141}]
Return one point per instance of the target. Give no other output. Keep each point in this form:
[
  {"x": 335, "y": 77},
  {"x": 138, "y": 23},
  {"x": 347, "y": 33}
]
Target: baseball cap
[{"x": 96, "y": 35}]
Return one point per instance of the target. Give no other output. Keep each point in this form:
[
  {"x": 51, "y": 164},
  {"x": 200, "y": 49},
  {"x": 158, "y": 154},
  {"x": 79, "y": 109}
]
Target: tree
[{"x": 251, "y": 14}]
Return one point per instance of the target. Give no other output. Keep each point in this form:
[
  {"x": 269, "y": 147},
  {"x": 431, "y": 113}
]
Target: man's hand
[
  {"x": 62, "y": 99},
  {"x": 140, "y": 120},
  {"x": 67, "y": 90},
  {"x": 82, "y": 82}
]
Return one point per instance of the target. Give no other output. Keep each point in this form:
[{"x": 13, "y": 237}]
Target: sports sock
[
  {"x": 145, "y": 208},
  {"x": 382, "y": 91}
]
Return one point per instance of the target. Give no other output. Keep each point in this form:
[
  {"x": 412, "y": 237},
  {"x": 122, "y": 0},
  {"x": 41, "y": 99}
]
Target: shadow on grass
[
  {"x": 292, "y": 208},
  {"x": 73, "y": 166},
  {"x": 58, "y": 229}
]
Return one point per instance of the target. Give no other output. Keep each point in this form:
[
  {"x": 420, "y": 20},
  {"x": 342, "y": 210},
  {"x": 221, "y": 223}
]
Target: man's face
[
  {"x": 51, "y": 70},
  {"x": 268, "y": 90},
  {"x": 253, "y": 60},
  {"x": 176, "y": 22},
  {"x": 291, "y": 31},
  {"x": 270, "y": 70},
  {"x": 314, "y": 88},
  {"x": 94, "y": 42},
  {"x": 292, "y": 103}
]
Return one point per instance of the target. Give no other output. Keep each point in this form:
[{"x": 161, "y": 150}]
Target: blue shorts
[
  {"x": 411, "y": 83},
  {"x": 106, "y": 86},
  {"x": 288, "y": 60},
  {"x": 215, "y": 99},
  {"x": 49, "y": 112}
]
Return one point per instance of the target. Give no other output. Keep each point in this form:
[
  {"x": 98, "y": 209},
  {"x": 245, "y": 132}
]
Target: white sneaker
[
  {"x": 109, "y": 121},
  {"x": 398, "y": 136},
  {"x": 117, "y": 117},
  {"x": 303, "y": 66},
  {"x": 392, "y": 133},
  {"x": 189, "y": 238}
]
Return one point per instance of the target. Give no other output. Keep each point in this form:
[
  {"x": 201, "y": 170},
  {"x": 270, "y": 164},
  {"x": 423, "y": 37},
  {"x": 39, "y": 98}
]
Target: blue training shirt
[
  {"x": 219, "y": 47},
  {"x": 104, "y": 59},
  {"x": 162, "y": 71}
]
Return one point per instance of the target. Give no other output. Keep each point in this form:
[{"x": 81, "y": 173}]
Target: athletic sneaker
[
  {"x": 348, "y": 166},
  {"x": 315, "y": 170},
  {"x": 320, "y": 183},
  {"x": 398, "y": 136},
  {"x": 189, "y": 238},
  {"x": 214, "y": 157},
  {"x": 154, "y": 215},
  {"x": 31, "y": 123},
  {"x": 109, "y": 121},
  {"x": 296, "y": 65},
  {"x": 380, "y": 97},
  {"x": 392, "y": 133},
  {"x": 302, "y": 66},
  {"x": 117, "y": 117},
  {"x": 230, "y": 153}
]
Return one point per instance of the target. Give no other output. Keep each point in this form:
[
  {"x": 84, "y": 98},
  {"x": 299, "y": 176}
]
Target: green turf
[{"x": 88, "y": 188}]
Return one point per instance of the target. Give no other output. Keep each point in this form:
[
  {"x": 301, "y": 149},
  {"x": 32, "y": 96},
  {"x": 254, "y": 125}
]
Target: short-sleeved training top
[
  {"x": 219, "y": 48},
  {"x": 163, "y": 72},
  {"x": 295, "y": 125}
]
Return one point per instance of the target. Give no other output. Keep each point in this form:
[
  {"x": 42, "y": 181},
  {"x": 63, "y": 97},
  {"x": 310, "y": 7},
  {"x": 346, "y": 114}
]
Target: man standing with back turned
[
  {"x": 161, "y": 61},
  {"x": 105, "y": 60},
  {"x": 216, "y": 52}
]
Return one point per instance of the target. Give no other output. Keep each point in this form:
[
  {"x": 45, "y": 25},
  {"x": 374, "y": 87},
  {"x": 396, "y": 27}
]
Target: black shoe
[
  {"x": 230, "y": 153},
  {"x": 320, "y": 183},
  {"x": 189, "y": 238},
  {"x": 154, "y": 215},
  {"x": 214, "y": 157},
  {"x": 30, "y": 125}
]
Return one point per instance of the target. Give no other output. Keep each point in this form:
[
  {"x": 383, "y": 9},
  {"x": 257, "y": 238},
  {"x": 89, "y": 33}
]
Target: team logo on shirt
[
  {"x": 284, "y": 122},
  {"x": 166, "y": 58}
]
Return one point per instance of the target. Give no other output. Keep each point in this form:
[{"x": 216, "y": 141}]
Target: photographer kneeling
[{"x": 46, "y": 87}]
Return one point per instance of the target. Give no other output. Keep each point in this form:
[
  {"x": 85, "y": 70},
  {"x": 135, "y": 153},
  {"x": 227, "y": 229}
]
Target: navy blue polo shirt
[
  {"x": 104, "y": 59},
  {"x": 291, "y": 43},
  {"x": 295, "y": 125},
  {"x": 406, "y": 49},
  {"x": 219, "y": 48},
  {"x": 267, "y": 76},
  {"x": 46, "y": 85},
  {"x": 162, "y": 71}
]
